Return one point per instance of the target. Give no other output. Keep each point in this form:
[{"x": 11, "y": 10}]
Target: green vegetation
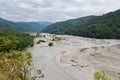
[
  {"x": 56, "y": 39},
  {"x": 38, "y": 75},
  {"x": 83, "y": 49},
  {"x": 50, "y": 44},
  {"x": 13, "y": 40},
  {"x": 15, "y": 61},
  {"x": 13, "y": 65},
  {"x": 44, "y": 36},
  {"x": 40, "y": 41},
  {"x": 119, "y": 75},
  {"x": 105, "y": 26},
  {"x": 101, "y": 76},
  {"x": 38, "y": 35}
]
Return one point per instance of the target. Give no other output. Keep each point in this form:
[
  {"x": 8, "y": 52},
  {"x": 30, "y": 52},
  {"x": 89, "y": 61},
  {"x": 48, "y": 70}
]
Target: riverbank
[
  {"x": 83, "y": 62},
  {"x": 75, "y": 58}
]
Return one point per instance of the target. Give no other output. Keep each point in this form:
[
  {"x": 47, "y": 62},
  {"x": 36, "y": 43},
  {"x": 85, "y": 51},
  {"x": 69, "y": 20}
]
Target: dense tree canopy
[{"x": 14, "y": 40}]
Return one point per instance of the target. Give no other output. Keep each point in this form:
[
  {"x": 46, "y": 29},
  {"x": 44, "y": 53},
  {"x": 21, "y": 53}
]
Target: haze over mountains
[
  {"x": 23, "y": 26},
  {"x": 33, "y": 26},
  {"x": 105, "y": 26}
]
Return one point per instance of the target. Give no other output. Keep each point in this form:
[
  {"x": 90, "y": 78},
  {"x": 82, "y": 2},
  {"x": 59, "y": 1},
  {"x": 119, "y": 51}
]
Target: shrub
[
  {"x": 56, "y": 39},
  {"x": 40, "y": 41},
  {"x": 44, "y": 36},
  {"x": 37, "y": 35},
  {"x": 83, "y": 49},
  {"x": 101, "y": 76},
  {"x": 13, "y": 65},
  {"x": 50, "y": 44}
]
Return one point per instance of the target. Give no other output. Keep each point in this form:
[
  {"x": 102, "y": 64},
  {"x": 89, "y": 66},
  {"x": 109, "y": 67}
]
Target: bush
[
  {"x": 40, "y": 41},
  {"x": 38, "y": 34},
  {"x": 101, "y": 76},
  {"x": 44, "y": 36},
  {"x": 50, "y": 44},
  {"x": 13, "y": 65},
  {"x": 56, "y": 39}
]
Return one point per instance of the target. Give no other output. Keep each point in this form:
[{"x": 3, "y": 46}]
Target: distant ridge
[
  {"x": 5, "y": 24},
  {"x": 106, "y": 26},
  {"x": 23, "y": 26}
]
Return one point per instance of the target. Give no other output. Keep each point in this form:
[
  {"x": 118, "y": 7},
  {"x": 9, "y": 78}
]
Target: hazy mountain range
[{"x": 23, "y": 26}]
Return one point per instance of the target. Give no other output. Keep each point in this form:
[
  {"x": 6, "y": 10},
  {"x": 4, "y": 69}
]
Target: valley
[
  {"x": 59, "y": 40},
  {"x": 76, "y": 58}
]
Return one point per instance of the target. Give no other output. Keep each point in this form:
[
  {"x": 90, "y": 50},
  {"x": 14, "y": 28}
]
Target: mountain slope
[
  {"x": 30, "y": 26},
  {"x": 105, "y": 26},
  {"x": 23, "y": 26},
  {"x": 33, "y": 26},
  {"x": 61, "y": 27},
  {"x": 5, "y": 24},
  {"x": 44, "y": 24}
]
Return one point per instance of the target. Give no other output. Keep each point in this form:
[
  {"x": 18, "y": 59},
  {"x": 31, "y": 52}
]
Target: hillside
[
  {"x": 105, "y": 26},
  {"x": 23, "y": 26},
  {"x": 33, "y": 26},
  {"x": 5, "y": 24},
  {"x": 30, "y": 26}
]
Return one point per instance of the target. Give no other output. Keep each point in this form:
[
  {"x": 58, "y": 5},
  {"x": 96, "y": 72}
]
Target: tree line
[
  {"x": 14, "y": 40},
  {"x": 15, "y": 61}
]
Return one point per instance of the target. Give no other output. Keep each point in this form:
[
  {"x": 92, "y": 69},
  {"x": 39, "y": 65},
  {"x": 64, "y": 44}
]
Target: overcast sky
[{"x": 54, "y": 10}]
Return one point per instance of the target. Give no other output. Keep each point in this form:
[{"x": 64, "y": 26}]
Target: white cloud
[
  {"x": 23, "y": 5},
  {"x": 54, "y": 10}
]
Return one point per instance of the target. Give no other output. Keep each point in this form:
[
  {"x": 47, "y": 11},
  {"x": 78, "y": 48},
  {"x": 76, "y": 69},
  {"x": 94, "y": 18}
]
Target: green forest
[
  {"x": 13, "y": 55},
  {"x": 14, "y": 40},
  {"x": 106, "y": 26}
]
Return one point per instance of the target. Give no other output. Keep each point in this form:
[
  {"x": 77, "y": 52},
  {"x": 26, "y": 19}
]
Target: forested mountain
[
  {"x": 23, "y": 26},
  {"x": 5, "y": 24},
  {"x": 105, "y": 26}
]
